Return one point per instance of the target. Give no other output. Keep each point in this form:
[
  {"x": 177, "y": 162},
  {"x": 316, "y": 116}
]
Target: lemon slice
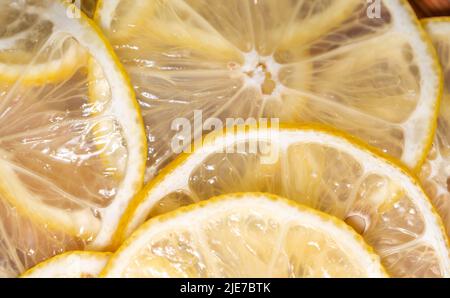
[
  {"x": 72, "y": 151},
  {"x": 365, "y": 68},
  {"x": 435, "y": 174},
  {"x": 317, "y": 168},
  {"x": 246, "y": 235},
  {"x": 74, "y": 264}
]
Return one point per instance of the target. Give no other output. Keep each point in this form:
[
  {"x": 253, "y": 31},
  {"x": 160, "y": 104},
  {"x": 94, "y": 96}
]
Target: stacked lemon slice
[
  {"x": 435, "y": 173},
  {"x": 72, "y": 145},
  {"x": 367, "y": 71},
  {"x": 249, "y": 235},
  {"x": 318, "y": 169}
]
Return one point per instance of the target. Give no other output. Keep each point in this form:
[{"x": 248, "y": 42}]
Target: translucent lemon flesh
[
  {"x": 329, "y": 62},
  {"x": 250, "y": 235},
  {"x": 435, "y": 174},
  {"x": 57, "y": 192}
]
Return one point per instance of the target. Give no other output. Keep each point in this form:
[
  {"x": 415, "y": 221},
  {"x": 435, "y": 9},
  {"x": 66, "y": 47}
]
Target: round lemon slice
[
  {"x": 317, "y": 168},
  {"x": 72, "y": 150},
  {"x": 364, "y": 67},
  {"x": 74, "y": 264},
  {"x": 246, "y": 235},
  {"x": 435, "y": 174}
]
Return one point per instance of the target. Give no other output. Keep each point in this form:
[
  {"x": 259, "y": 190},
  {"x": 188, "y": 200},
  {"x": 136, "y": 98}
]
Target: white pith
[
  {"x": 254, "y": 74},
  {"x": 123, "y": 110},
  {"x": 71, "y": 265}
]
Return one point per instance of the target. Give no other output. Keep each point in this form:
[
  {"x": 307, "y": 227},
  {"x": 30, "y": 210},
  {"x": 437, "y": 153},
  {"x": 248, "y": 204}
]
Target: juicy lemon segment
[
  {"x": 435, "y": 174},
  {"x": 72, "y": 151},
  {"x": 246, "y": 235},
  {"x": 24, "y": 243},
  {"x": 74, "y": 264},
  {"x": 321, "y": 170},
  {"x": 32, "y": 50},
  {"x": 370, "y": 72}
]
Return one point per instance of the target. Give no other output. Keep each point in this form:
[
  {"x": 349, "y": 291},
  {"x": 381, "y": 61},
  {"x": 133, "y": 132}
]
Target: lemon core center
[{"x": 261, "y": 72}]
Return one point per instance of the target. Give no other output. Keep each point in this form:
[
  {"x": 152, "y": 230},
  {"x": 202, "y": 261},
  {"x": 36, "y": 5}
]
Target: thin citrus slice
[
  {"x": 317, "y": 168},
  {"x": 435, "y": 174},
  {"x": 365, "y": 68},
  {"x": 72, "y": 151},
  {"x": 245, "y": 235},
  {"x": 74, "y": 264}
]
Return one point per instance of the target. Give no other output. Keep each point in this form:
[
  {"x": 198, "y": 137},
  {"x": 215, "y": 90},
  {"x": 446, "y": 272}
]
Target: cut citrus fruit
[
  {"x": 435, "y": 174},
  {"x": 73, "y": 150},
  {"x": 370, "y": 71},
  {"x": 74, "y": 264},
  {"x": 246, "y": 235},
  {"x": 317, "y": 168}
]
